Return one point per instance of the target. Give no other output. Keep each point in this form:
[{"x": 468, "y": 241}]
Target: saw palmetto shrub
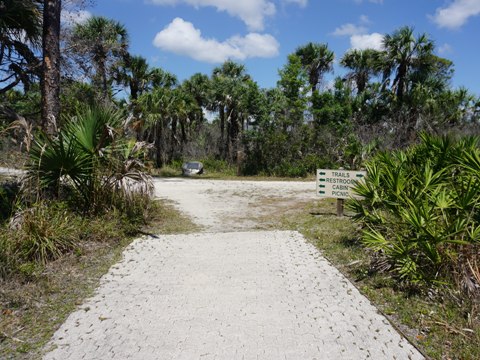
[
  {"x": 420, "y": 212},
  {"x": 90, "y": 159}
]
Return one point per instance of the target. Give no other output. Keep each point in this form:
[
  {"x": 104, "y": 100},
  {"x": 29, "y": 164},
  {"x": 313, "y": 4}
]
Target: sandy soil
[{"x": 219, "y": 206}]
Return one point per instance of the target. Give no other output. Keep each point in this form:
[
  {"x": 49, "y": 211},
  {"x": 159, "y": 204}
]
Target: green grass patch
[{"x": 442, "y": 325}]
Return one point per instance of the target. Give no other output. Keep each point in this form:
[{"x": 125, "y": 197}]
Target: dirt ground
[{"x": 222, "y": 206}]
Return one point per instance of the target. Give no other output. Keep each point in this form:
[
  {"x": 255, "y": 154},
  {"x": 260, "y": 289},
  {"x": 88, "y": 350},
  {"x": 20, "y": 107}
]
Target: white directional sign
[{"x": 337, "y": 183}]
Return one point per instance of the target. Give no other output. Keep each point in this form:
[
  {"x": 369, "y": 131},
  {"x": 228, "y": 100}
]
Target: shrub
[
  {"x": 212, "y": 165},
  {"x": 421, "y": 211},
  {"x": 91, "y": 157}
]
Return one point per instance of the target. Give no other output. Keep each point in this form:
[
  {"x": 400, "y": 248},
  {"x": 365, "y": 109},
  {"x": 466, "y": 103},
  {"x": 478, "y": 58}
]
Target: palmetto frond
[
  {"x": 420, "y": 207},
  {"x": 90, "y": 156}
]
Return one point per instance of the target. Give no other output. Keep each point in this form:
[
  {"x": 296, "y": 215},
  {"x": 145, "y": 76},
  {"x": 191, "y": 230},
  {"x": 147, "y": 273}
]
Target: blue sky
[{"x": 189, "y": 36}]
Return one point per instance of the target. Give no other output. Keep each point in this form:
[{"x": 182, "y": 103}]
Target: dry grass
[{"x": 32, "y": 308}]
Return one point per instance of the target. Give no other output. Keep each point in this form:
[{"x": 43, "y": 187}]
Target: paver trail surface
[{"x": 226, "y": 295}]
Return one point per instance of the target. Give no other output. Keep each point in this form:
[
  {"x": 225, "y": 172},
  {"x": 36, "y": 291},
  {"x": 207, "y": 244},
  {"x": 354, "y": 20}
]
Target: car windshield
[{"x": 193, "y": 166}]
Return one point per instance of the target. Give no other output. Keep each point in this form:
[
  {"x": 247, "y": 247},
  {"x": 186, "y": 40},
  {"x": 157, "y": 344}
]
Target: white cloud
[
  {"x": 364, "y": 19},
  {"x": 367, "y": 41},
  {"x": 456, "y": 14},
  {"x": 182, "y": 38},
  {"x": 70, "y": 18},
  {"x": 301, "y": 3},
  {"x": 359, "y": 38},
  {"x": 349, "y": 30},
  {"x": 445, "y": 49},
  {"x": 252, "y": 12}
]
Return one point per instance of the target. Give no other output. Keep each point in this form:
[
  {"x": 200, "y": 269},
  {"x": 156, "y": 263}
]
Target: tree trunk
[
  {"x": 159, "y": 143},
  {"x": 400, "y": 80},
  {"x": 233, "y": 136},
  {"x": 173, "y": 140},
  {"x": 222, "y": 132},
  {"x": 51, "y": 66},
  {"x": 103, "y": 76},
  {"x": 184, "y": 135},
  {"x": 228, "y": 139}
]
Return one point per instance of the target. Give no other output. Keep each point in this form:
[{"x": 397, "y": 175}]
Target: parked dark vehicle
[{"x": 192, "y": 168}]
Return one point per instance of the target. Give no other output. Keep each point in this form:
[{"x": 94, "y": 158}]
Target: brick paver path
[{"x": 231, "y": 295}]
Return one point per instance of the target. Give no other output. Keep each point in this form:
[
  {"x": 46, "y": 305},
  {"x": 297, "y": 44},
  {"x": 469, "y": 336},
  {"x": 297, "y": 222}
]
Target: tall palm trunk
[
  {"x": 183, "y": 131},
  {"x": 222, "y": 131},
  {"x": 51, "y": 66},
  {"x": 228, "y": 140},
  {"x": 234, "y": 132},
  {"x": 173, "y": 139},
  {"x": 159, "y": 143},
  {"x": 400, "y": 80},
  {"x": 102, "y": 69}
]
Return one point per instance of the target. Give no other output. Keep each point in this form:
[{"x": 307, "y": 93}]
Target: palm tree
[
  {"x": 228, "y": 84},
  {"x": 162, "y": 108},
  {"x": 91, "y": 153},
  {"x": 362, "y": 66},
  {"x": 317, "y": 59},
  {"x": 102, "y": 42},
  {"x": 197, "y": 89},
  {"x": 134, "y": 73},
  {"x": 20, "y": 24},
  {"x": 403, "y": 53},
  {"x": 162, "y": 78}
]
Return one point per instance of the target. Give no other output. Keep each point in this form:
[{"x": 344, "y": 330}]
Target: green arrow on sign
[
  {"x": 322, "y": 173},
  {"x": 322, "y": 179},
  {"x": 359, "y": 175},
  {"x": 322, "y": 186},
  {"x": 321, "y": 192}
]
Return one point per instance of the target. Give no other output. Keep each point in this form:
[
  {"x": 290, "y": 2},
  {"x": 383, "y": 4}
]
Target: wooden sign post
[{"x": 340, "y": 206}]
